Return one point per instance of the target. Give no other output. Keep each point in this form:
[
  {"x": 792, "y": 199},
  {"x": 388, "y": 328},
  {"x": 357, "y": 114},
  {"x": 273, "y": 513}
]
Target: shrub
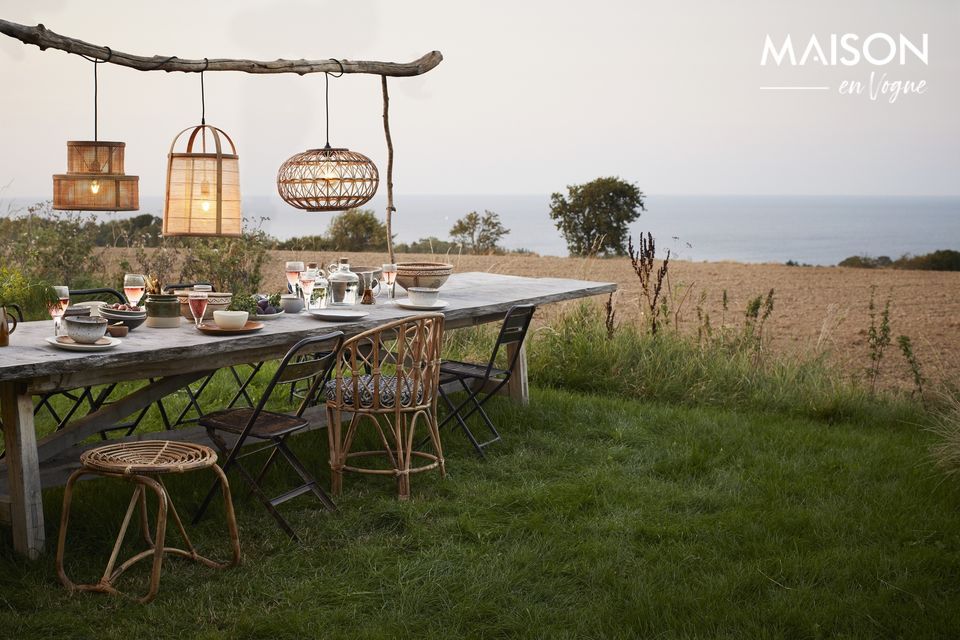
[
  {"x": 431, "y": 244},
  {"x": 357, "y": 230},
  {"x": 58, "y": 247},
  {"x": 229, "y": 264}
]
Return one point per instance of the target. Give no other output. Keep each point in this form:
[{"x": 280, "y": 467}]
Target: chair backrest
[
  {"x": 512, "y": 331},
  {"x": 99, "y": 293},
  {"x": 298, "y": 365},
  {"x": 408, "y": 348}
]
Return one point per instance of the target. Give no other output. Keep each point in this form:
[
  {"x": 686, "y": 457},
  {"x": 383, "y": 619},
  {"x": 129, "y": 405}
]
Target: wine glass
[
  {"x": 197, "y": 301},
  {"x": 390, "y": 277},
  {"x": 133, "y": 287},
  {"x": 58, "y": 308},
  {"x": 307, "y": 280},
  {"x": 293, "y": 269}
]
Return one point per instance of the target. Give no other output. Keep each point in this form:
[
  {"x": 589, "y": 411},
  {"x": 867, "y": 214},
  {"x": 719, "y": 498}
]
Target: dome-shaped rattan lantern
[
  {"x": 327, "y": 179},
  {"x": 94, "y": 180},
  {"x": 203, "y": 189}
]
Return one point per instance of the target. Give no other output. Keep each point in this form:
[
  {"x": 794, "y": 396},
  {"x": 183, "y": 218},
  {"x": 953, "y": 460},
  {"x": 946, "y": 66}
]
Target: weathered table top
[{"x": 473, "y": 298}]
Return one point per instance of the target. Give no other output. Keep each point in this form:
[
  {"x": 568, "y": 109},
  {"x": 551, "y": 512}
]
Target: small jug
[{"x": 5, "y": 328}]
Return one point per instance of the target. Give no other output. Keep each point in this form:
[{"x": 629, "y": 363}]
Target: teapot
[{"x": 5, "y": 328}]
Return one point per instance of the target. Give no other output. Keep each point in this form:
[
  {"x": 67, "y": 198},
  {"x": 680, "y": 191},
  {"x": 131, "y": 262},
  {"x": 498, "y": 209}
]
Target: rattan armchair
[{"x": 387, "y": 379}]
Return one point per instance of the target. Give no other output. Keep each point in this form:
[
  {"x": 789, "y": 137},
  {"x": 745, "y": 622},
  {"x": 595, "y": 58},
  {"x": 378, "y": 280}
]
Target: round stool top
[{"x": 149, "y": 456}]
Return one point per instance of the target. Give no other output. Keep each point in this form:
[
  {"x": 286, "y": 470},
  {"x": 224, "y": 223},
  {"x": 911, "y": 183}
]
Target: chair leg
[
  {"x": 455, "y": 414},
  {"x": 305, "y": 475}
]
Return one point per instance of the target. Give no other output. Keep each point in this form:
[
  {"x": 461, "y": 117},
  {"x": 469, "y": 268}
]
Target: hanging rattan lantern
[
  {"x": 94, "y": 180},
  {"x": 327, "y": 179},
  {"x": 203, "y": 188}
]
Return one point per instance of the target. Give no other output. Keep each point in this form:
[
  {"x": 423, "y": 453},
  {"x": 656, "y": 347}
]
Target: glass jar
[{"x": 343, "y": 285}]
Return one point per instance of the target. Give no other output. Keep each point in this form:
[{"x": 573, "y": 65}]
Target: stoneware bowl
[
  {"x": 85, "y": 329},
  {"x": 423, "y": 297},
  {"x": 216, "y": 301},
  {"x": 118, "y": 330},
  {"x": 430, "y": 275},
  {"x": 131, "y": 320},
  {"x": 291, "y": 303},
  {"x": 230, "y": 320}
]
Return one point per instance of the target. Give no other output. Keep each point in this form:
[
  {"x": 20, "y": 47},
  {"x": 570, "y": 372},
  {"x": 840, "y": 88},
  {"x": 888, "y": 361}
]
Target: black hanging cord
[
  {"x": 95, "y": 62},
  {"x": 203, "y": 100},
  {"x": 326, "y": 80}
]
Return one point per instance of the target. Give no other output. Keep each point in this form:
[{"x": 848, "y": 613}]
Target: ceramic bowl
[
  {"x": 230, "y": 320},
  {"x": 291, "y": 303},
  {"x": 430, "y": 275},
  {"x": 423, "y": 296},
  {"x": 118, "y": 330},
  {"x": 131, "y": 320},
  {"x": 85, "y": 329},
  {"x": 216, "y": 301}
]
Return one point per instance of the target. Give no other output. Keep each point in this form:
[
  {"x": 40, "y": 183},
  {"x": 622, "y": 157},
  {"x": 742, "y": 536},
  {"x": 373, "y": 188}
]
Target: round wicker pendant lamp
[
  {"x": 203, "y": 187},
  {"x": 94, "y": 180},
  {"x": 327, "y": 179}
]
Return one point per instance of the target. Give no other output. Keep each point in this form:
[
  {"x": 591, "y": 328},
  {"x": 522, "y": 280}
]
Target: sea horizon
[{"x": 750, "y": 228}]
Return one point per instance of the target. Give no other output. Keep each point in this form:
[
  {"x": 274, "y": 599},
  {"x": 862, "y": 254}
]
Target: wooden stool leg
[
  {"x": 231, "y": 518},
  {"x": 164, "y": 502},
  {"x": 64, "y": 520}
]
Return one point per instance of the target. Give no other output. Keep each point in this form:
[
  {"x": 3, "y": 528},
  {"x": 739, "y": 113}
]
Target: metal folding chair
[
  {"x": 481, "y": 382},
  {"x": 272, "y": 429}
]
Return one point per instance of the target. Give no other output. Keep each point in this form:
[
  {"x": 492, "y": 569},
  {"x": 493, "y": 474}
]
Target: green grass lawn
[{"x": 597, "y": 517}]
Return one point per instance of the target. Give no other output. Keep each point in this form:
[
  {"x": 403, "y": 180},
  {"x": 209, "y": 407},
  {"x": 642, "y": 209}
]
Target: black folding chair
[
  {"x": 481, "y": 382},
  {"x": 272, "y": 429}
]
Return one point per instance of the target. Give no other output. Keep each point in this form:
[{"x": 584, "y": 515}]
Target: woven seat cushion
[{"x": 388, "y": 391}]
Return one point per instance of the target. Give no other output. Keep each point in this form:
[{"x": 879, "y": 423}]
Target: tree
[
  {"x": 594, "y": 217},
  {"x": 358, "y": 230},
  {"x": 479, "y": 234}
]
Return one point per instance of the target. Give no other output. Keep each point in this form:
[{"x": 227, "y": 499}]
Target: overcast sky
[{"x": 530, "y": 97}]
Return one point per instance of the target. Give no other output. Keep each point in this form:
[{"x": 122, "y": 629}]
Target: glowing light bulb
[
  {"x": 205, "y": 195},
  {"x": 328, "y": 172},
  {"x": 95, "y": 187}
]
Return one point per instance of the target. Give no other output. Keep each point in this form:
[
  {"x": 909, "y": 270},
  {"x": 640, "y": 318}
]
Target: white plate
[
  {"x": 76, "y": 346},
  {"x": 338, "y": 315},
  {"x": 406, "y": 304},
  {"x": 268, "y": 316}
]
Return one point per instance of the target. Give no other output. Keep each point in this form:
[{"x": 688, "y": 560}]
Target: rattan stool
[{"x": 143, "y": 463}]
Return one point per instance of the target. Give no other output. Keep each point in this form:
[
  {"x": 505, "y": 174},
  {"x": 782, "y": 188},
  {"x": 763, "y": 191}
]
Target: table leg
[
  {"x": 518, "y": 387},
  {"x": 23, "y": 469}
]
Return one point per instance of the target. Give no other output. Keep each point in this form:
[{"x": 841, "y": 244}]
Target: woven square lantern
[
  {"x": 95, "y": 180},
  {"x": 203, "y": 189}
]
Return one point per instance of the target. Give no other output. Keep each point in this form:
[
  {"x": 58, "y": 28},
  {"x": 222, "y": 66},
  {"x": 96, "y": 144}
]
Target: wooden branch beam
[{"x": 46, "y": 39}]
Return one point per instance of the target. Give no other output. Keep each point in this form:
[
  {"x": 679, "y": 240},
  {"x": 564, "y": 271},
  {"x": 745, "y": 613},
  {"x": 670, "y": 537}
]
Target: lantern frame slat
[
  {"x": 352, "y": 179},
  {"x": 99, "y": 161},
  {"x": 181, "y": 171}
]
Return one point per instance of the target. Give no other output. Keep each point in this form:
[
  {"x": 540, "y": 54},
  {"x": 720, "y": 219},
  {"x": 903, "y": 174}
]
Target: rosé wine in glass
[
  {"x": 133, "y": 287},
  {"x": 58, "y": 308},
  {"x": 197, "y": 301}
]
